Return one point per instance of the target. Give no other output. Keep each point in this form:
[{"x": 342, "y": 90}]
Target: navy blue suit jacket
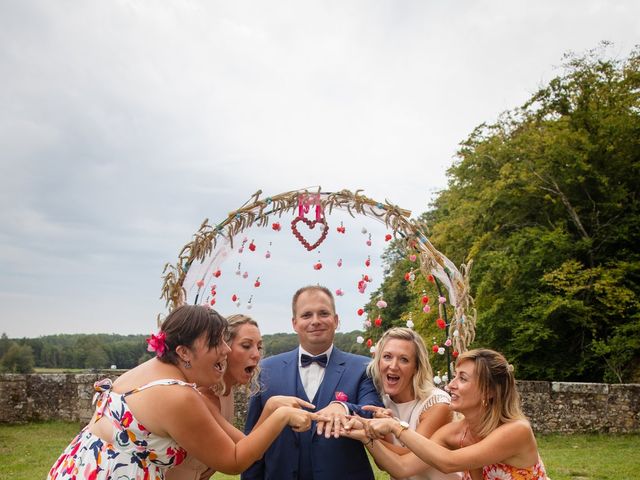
[{"x": 299, "y": 455}]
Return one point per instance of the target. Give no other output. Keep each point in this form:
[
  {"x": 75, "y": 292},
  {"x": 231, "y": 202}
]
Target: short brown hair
[
  {"x": 187, "y": 323},
  {"x": 311, "y": 288}
]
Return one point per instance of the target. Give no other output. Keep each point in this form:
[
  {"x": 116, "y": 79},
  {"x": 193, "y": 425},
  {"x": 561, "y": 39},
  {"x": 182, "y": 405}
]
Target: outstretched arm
[
  {"x": 366, "y": 394},
  {"x": 187, "y": 420},
  {"x": 512, "y": 443},
  {"x": 277, "y": 401},
  {"x": 398, "y": 462}
]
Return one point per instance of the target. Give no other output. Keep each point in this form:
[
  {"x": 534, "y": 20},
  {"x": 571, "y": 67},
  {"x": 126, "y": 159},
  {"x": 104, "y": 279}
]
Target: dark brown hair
[{"x": 186, "y": 324}]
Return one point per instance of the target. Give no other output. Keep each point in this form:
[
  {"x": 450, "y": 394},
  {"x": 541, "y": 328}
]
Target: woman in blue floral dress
[{"x": 148, "y": 419}]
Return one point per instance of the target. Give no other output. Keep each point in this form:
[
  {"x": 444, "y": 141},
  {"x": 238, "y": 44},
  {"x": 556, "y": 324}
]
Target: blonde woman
[
  {"x": 401, "y": 372},
  {"x": 494, "y": 440},
  {"x": 245, "y": 341}
]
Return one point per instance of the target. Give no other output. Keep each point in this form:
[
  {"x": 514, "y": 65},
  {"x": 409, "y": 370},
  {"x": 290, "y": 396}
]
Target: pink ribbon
[{"x": 304, "y": 203}]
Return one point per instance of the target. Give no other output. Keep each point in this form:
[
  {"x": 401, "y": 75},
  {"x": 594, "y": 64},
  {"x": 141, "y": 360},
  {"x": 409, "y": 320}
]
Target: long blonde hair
[
  {"x": 423, "y": 376},
  {"x": 499, "y": 395}
]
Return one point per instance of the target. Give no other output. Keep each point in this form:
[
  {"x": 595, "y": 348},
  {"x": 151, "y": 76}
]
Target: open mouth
[
  {"x": 392, "y": 379},
  {"x": 250, "y": 369}
]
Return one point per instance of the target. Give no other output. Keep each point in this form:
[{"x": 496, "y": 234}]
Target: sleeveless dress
[
  {"x": 502, "y": 471},
  {"x": 410, "y": 412},
  {"x": 133, "y": 453}
]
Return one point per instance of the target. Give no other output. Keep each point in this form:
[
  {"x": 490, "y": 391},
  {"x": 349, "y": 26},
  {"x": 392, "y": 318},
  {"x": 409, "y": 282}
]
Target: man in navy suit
[{"x": 315, "y": 371}]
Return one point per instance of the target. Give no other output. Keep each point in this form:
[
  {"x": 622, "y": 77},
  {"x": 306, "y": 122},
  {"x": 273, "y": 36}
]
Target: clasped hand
[
  {"x": 333, "y": 419},
  {"x": 354, "y": 426},
  {"x": 364, "y": 429}
]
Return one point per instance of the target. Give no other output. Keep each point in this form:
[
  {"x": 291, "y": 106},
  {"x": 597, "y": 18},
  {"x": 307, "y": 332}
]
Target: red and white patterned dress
[{"x": 133, "y": 453}]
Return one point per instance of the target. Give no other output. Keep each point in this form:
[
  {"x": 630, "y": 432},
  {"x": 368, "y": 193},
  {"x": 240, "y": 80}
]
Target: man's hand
[{"x": 337, "y": 420}]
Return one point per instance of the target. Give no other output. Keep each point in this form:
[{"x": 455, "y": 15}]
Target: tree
[
  {"x": 546, "y": 202},
  {"x": 5, "y": 343},
  {"x": 18, "y": 359}
]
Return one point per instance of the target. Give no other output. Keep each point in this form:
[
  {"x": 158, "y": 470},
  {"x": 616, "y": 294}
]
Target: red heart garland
[{"x": 311, "y": 224}]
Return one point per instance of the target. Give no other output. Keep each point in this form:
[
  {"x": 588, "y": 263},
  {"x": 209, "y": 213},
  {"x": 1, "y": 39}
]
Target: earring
[
  {"x": 187, "y": 364},
  {"x": 484, "y": 402}
]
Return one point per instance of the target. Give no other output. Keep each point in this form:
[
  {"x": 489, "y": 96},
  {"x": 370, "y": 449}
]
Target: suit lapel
[
  {"x": 291, "y": 376},
  {"x": 333, "y": 373}
]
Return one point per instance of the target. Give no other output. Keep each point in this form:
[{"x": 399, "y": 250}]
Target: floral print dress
[
  {"x": 133, "y": 453},
  {"x": 502, "y": 471}
]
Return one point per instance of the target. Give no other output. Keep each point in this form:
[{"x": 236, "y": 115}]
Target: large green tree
[{"x": 546, "y": 202}]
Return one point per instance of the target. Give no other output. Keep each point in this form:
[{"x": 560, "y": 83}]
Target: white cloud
[{"x": 124, "y": 124}]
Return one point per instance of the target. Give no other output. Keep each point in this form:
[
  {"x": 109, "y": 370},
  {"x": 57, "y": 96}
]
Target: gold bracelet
[{"x": 403, "y": 425}]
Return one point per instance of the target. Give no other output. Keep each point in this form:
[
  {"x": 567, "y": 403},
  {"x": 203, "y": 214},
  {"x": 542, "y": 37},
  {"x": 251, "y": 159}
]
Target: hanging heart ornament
[{"x": 311, "y": 224}]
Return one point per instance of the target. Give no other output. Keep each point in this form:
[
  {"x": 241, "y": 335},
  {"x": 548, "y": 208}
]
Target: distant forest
[
  {"x": 544, "y": 202},
  {"x": 100, "y": 351}
]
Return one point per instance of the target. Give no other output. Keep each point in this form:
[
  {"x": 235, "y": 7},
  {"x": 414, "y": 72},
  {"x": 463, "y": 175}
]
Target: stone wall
[
  {"x": 52, "y": 396},
  {"x": 564, "y": 407},
  {"x": 559, "y": 407}
]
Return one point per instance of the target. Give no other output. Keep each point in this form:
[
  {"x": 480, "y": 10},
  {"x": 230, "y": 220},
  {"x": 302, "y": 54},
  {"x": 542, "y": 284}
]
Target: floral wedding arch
[{"x": 199, "y": 262}]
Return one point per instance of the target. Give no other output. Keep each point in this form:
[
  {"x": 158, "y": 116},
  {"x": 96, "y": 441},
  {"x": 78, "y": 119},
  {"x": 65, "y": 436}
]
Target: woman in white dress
[{"x": 402, "y": 374}]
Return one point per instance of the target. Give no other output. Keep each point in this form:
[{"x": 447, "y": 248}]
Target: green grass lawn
[{"x": 28, "y": 451}]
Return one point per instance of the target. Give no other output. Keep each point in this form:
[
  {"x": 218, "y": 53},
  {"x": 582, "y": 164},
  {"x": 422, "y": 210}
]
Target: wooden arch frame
[{"x": 257, "y": 211}]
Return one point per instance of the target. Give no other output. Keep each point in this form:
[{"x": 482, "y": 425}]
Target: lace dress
[
  {"x": 410, "y": 412},
  {"x": 133, "y": 453}
]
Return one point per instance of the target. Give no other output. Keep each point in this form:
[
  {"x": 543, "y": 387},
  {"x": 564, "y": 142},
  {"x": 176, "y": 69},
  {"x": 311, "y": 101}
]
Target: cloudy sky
[{"x": 125, "y": 123}]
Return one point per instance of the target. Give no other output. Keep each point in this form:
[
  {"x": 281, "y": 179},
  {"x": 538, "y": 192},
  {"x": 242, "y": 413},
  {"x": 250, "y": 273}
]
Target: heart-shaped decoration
[{"x": 311, "y": 224}]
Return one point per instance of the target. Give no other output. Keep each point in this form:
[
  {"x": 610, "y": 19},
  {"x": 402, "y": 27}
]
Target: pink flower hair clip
[
  {"x": 157, "y": 344},
  {"x": 341, "y": 397}
]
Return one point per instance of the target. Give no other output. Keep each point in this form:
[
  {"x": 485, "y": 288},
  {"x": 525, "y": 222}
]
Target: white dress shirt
[{"x": 313, "y": 374}]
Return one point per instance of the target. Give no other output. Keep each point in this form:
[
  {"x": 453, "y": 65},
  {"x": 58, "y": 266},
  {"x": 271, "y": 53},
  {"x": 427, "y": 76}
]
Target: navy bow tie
[{"x": 306, "y": 360}]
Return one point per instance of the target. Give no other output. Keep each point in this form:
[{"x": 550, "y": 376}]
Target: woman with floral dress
[
  {"x": 148, "y": 419},
  {"x": 241, "y": 372}
]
